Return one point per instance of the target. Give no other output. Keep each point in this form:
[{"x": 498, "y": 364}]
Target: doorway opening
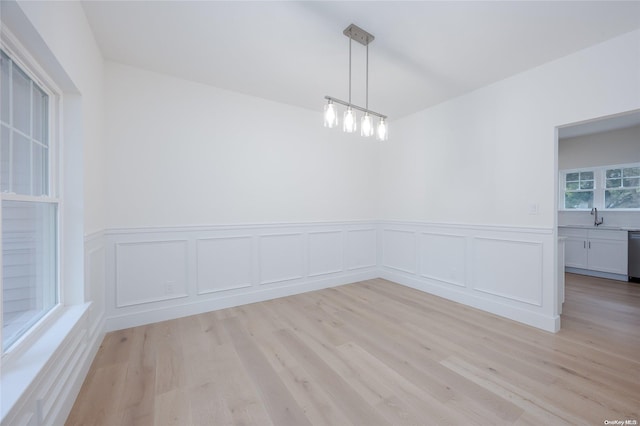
[{"x": 593, "y": 159}]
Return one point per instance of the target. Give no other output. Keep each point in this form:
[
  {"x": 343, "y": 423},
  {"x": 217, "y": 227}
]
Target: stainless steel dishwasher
[{"x": 634, "y": 256}]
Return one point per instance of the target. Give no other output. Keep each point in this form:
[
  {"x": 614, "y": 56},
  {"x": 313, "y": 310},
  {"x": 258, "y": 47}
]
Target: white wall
[
  {"x": 468, "y": 188},
  {"x": 486, "y": 157},
  {"x": 201, "y": 179},
  {"x": 477, "y": 174},
  {"x": 182, "y": 153},
  {"x": 620, "y": 146}
]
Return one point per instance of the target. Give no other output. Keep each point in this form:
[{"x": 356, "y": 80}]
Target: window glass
[
  {"x": 5, "y": 157},
  {"x": 40, "y": 170},
  {"x": 40, "y": 115},
  {"x": 578, "y": 200},
  {"x": 29, "y": 265},
  {"x": 29, "y": 217},
  {"x": 21, "y": 165},
  {"x": 21, "y": 100},
  {"x": 579, "y": 188},
  {"x": 622, "y": 188}
]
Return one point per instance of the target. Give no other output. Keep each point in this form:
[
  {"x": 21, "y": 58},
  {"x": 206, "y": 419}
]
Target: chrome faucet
[{"x": 596, "y": 222}]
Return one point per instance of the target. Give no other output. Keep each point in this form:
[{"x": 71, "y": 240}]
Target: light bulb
[
  {"x": 382, "y": 132},
  {"x": 330, "y": 116},
  {"x": 366, "y": 125},
  {"x": 349, "y": 122}
]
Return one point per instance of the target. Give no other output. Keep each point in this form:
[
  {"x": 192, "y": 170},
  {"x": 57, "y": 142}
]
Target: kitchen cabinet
[{"x": 594, "y": 249}]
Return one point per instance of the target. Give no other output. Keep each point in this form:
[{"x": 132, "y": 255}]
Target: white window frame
[
  {"x": 20, "y": 55},
  {"x": 604, "y": 184},
  {"x": 599, "y": 176},
  {"x": 563, "y": 186}
]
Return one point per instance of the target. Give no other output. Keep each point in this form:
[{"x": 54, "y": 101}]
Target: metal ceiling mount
[{"x": 358, "y": 34}]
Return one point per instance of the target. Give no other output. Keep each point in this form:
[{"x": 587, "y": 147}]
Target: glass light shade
[
  {"x": 330, "y": 115},
  {"x": 349, "y": 123},
  {"x": 382, "y": 132},
  {"x": 366, "y": 125}
]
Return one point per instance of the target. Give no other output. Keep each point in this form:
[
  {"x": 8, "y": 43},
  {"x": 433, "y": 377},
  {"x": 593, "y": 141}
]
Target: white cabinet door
[
  {"x": 607, "y": 255},
  {"x": 602, "y": 250},
  {"x": 575, "y": 252}
]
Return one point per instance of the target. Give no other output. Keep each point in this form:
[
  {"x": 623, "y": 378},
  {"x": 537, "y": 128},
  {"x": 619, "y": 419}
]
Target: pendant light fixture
[{"x": 349, "y": 121}]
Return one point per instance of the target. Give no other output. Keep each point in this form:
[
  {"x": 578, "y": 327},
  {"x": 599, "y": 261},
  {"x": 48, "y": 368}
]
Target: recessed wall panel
[
  {"x": 443, "y": 258},
  {"x": 281, "y": 258},
  {"x": 509, "y": 268},
  {"x": 325, "y": 252},
  {"x": 361, "y": 248},
  {"x": 223, "y": 263},
  {"x": 150, "y": 271},
  {"x": 399, "y": 250}
]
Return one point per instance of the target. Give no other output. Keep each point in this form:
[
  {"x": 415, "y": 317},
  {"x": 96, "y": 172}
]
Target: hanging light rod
[
  {"x": 347, "y": 104},
  {"x": 349, "y": 123}
]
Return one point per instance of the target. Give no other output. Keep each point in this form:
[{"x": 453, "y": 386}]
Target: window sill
[{"x": 20, "y": 372}]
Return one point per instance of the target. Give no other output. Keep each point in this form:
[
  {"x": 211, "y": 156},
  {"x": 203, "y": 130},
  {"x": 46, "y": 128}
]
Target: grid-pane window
[
  {"x": 622, "y": 188},
  {"x": 579, "y": 190},
  {"x": 29, "y": 211}
]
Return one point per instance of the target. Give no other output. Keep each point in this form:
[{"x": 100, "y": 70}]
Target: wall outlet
[
  {"x": 169, "y": 287},
  {"x": 533, "y": 208}
]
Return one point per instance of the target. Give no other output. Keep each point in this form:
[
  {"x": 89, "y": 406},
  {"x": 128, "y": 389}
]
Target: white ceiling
[{"x": 295, "y": 52}]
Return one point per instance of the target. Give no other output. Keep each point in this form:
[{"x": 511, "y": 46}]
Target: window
[
  {"x": 622, "y": 188},
  {"x": 29, "y": 204},
  {"x": 607, "y": 187},
  {"x": 578, "y": 193}
]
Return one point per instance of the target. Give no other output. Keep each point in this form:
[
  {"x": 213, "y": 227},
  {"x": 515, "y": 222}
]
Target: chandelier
[{"x": 349, "y": 121}]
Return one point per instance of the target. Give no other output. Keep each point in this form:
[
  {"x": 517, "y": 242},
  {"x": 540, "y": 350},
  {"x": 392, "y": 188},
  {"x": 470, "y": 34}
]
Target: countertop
[{"x": 601, "y": 227}]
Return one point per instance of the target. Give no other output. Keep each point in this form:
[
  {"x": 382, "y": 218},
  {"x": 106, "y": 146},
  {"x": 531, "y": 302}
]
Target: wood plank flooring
[{"x": 373, "y": 353}]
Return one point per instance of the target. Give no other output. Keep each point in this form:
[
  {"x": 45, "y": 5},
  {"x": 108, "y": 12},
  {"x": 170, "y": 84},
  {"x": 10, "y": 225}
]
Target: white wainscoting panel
[
  {"x": 361, "y": 248},
  {"x": 281, "y": 258},
  {"x": 325, "y": 253},
  {"x": 509, "y": 271},
  {"x": 224, "y": 263},
  {"x": 156, "y": 274},
  {"x": 399, "y": 250},
  {"x": 150, "y": 271},
  {"x": 94, "y": 281},
  {"x": 443, "y": 257},
  {"x": 509, "y": 268}
]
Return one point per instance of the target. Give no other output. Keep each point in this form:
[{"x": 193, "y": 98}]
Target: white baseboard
[
  {"x": 607, "y": 275},
  {"x": 188, "y": 308},
  {"x": 534, "y": 319}
]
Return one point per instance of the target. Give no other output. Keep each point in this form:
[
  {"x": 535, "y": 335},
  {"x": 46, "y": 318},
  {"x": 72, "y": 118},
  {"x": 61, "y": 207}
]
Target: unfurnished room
[{"x": 320, "y": 213}]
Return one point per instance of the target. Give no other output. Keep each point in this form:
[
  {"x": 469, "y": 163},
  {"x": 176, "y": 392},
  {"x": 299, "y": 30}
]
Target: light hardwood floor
[{"x": 373, "y": 353}]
